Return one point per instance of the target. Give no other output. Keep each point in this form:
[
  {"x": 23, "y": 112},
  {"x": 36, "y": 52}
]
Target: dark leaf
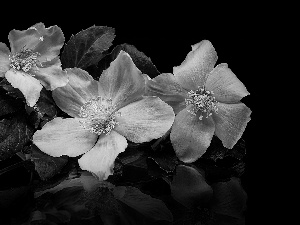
[
  {"x": 152, "y": 208},
  {"x": 101, "y": 200},
  {"x": 15, "y": 204},
  {"x": 142, "y": 62},
  {"x": 59, "y": 207},
  {"x": 229, "y": 198},
  {"x": 68, "y": 197},
  {"x": 130, "y": 155},
  {"x": 133, "y": 157},
  {"x": 162, "y": 142},
  {"x": 50, "y": 217},
  {"x": 11, "y": 196},
  {"x": 154, "y": 170},
  {"x": 239, "y": 169},
  {"x": 217, "y": 151},
  {"x": 45, "y": 105},
  {"x": 44, "y": 108},
  {"x": 11, "y": 91},
  {"x": 189, "y": 187},
  {"x": 84, "y": 180},
  {"x": 9, "y": 104},
  {"x": 165, "y": 158},
  {"x": 81, "y": 195},
  {"x": 69, "y": 168},
  {"x": 14, "y": 134},
  {"x": 134, "y": 174},
  {"x": 219, "y": 219},
  {"x": 86, "y": 47},
  {"x": 43, "y": 111},
  {"x": 46, "y": 165}
]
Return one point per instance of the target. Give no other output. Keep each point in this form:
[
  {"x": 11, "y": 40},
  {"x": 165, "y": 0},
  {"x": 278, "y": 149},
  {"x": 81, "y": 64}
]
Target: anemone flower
[
  {"x": 104, "y": 113},
  {"x": 206, "y": 101},
  {"x": 33, "y": 61}
]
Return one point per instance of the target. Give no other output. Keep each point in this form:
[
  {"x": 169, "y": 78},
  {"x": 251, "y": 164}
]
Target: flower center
[
  {"x": 24, "y": 60},
  {"x": 99, "y": 115},
  {"x": 203, "y": 100}
]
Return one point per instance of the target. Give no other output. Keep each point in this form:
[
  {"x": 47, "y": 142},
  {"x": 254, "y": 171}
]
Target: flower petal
[
  {"x": 122, "y": 81},
  {"x": 167, "y": 89},
  {"x": 144, "y": 120},
  {"x": 226, "y": 86},
  {"x": 80, "y": 89},
  {"x": 4, "y": 60},
  {"x": 100, "y": 159},
  {"x": 230, "y": 122},
  {"x": 52, "y": 77},
  {"x": 198, "y": 63},
  {"x": 64, "y": 137},
  {"x": 46, "y": 41},
  {"x": 190, "y": 137},
  {"x": 28, "y": 85}
]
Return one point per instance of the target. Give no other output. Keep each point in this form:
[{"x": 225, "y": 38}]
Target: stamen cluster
[
  {"x": 203, "y": 100},
  {"x": 23, "y": 60},
  {"x": 99, "y": 115}
]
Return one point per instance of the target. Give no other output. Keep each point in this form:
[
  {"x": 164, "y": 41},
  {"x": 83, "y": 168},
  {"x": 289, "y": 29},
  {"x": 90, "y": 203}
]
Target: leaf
[
  {"x": 80, "y": 195},
  {"x": 86, "y": 47},
  {"x": 45, "y": 105},
  {"x": 15, "y": 204},
  {"x": 102, "y": 201},
  {"x": 11, "y": 91},
  {"x": 11, "y": 196},
  {"x": 217, "y": 151},
  {"x": 130, "y": 155},
  {"x": 59, "y": 207},
  {"x": 229, "y": 198},
  {"x": 142, "y": 62},
  {"x": 14, "y": 134},
  {"x": 46, "y": 165},
  {"x": 189, "y": 187},
  {"x": 43, "y": 111},
  {"x": 165, "y": 158},
  {"x": 84, "y": 180},
  {"x": 152, "y": 208},
  {"x": 58, "y": 216},
  {"x": 9, "y": 105}
]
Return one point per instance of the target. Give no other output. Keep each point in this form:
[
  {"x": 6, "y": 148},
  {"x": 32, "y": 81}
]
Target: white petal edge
[
  {"x": 28, "y": 85},
  {"x": 64, "y": 137},
  {"x": 100, "y": 159},
  {"x": 227, "y": 88},
  {"x": 144, "y": 120}
]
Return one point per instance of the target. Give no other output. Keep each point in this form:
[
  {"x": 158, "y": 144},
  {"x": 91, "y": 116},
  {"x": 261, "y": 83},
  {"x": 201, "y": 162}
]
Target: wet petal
[
  {"x": 28, "y": 85},
  {"x": 167, "y": 89},
  {"x": 100, "y": 159},
  {"x": 190, "y": 137},
  {"x": 144, "y": 120},
  {"x": 46, "y": 41},
  {"x": 64, "y": 137},
  {"x": 122, "y": 81},
  {"x": 80, "y": 89},
  {"x": 4, "y": 60},
  {"x": 230, "y": 122},
  {"x": 52, "y": 77},
  {"x": 226, "y": 86},
  {"x": 198, "y": 63}
]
